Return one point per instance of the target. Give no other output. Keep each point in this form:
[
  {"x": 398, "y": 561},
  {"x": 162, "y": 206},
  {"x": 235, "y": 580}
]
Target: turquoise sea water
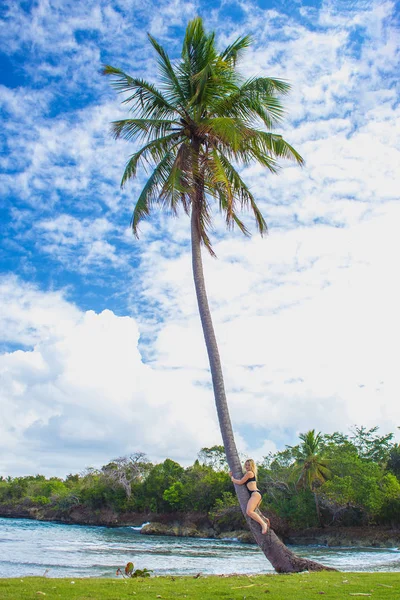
[{"x": 33, "y": 548}]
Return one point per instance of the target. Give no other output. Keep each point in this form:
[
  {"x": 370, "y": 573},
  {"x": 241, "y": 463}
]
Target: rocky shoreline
[
  {"x": 199, "y": 525},
  {"x": 373, "y": 536}
]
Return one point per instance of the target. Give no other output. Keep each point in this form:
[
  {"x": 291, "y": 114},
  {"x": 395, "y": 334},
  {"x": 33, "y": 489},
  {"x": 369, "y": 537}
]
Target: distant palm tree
[
  {"x": 311, "y": 469},
  {"x": 202, "y": 120}
]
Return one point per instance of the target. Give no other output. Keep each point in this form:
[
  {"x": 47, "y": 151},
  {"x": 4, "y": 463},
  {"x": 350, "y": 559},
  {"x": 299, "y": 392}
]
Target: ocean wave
[{"x": 140, "y": 527}]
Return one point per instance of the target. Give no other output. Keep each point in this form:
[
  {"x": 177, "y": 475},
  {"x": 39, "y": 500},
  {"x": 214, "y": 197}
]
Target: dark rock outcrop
[{"x": 371, "y": 537}]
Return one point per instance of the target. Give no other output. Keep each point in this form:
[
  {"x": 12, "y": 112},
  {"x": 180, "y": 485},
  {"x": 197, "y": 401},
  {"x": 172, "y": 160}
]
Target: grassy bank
[{"x": 278, "y": 587}]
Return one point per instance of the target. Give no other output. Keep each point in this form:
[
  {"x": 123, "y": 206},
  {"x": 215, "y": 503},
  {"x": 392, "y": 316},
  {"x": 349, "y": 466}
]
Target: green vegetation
[
  {"x": 310, "y": 468},
  {"x": 381, "y": 586},
  {"x": 131, "y": 572},
  {"x": 333, "y": 479}
]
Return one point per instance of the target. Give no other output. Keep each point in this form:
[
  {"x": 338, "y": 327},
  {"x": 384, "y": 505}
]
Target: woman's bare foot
[{"x": 265, "y": 527}]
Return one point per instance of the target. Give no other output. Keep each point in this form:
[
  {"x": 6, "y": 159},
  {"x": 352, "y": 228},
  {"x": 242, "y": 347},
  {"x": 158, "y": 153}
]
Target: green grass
[{"x": 305, "y": 586}]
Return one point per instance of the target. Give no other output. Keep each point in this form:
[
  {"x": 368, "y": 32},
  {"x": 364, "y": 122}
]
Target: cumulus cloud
[
  {"x": 28, "y": 315},
  {"x": 67, "y": 236},
  {"x": 306, "y": 321},
  {"x": 82, "y": 393}
]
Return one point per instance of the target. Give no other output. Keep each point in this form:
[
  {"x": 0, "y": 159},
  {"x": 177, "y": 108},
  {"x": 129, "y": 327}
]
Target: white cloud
[
  {"x": 66, "y": 237},
  {"x": 83, "y": 394},
  {"x": 306, "y": 321},
  {"x": 172, "y": 14},
  {"x": 29, "y": 316},
  {"x": 63, "y": 157}
]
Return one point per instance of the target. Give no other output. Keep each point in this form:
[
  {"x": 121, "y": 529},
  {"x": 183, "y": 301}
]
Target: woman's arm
[{"x": 246, "y": 476}]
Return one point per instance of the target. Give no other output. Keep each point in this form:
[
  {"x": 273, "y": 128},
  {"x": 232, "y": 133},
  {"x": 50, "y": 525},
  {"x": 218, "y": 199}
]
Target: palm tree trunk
[{"x": 281, "y": 558}]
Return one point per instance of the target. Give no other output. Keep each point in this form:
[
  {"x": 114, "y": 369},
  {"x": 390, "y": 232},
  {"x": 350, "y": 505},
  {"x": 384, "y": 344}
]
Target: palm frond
[
  {"x": 142, "y": 128},
  {"x": 205, "y": 223},
  {"x": 170, "y": 78},
  {"x": 151, "y": 192},
  {"x": 194, "y": 37},
  {"x": 277, "y": 146},
  {"x": 266, "y": 86},
  {"x": 232, "y": 53},
  {"x": 154, "y": 150},
  {"x": 226, "y": 130},
  {"x": 224, "y": 182},
  {"x": 255, "y": 98},
  {"x": 250, "y": 151},
  {"x": 200, "y": 81},
  {"x": 178, "y": 185},
  {"x": 146, "y": 99},
  {"x": 223, "y": 204},
  {"x": 246, "y": 198}
]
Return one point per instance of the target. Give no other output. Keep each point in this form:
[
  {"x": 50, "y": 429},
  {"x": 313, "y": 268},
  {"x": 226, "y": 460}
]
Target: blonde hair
[{"x": 253, "y": 466}]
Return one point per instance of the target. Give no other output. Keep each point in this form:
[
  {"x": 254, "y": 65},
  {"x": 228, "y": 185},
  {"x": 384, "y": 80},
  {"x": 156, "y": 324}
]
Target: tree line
[{"x": 324, "y": 480}]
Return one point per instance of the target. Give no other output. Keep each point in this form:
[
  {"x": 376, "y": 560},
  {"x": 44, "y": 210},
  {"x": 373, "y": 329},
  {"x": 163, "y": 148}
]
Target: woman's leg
[{"x": 252, "y": 504}]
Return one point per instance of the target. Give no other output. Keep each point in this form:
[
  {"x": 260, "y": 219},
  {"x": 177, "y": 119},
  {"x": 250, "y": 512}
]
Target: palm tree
[
  {"x": 202, "y": 121},
  {"x": 311, "y": 468}
]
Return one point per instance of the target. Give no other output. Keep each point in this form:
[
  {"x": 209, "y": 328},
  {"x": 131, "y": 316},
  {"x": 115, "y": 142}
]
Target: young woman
[{"x": 249, "y": 478}]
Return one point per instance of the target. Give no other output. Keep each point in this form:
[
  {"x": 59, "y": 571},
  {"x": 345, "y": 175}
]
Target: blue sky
[{"x": 101, "y": 348}]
